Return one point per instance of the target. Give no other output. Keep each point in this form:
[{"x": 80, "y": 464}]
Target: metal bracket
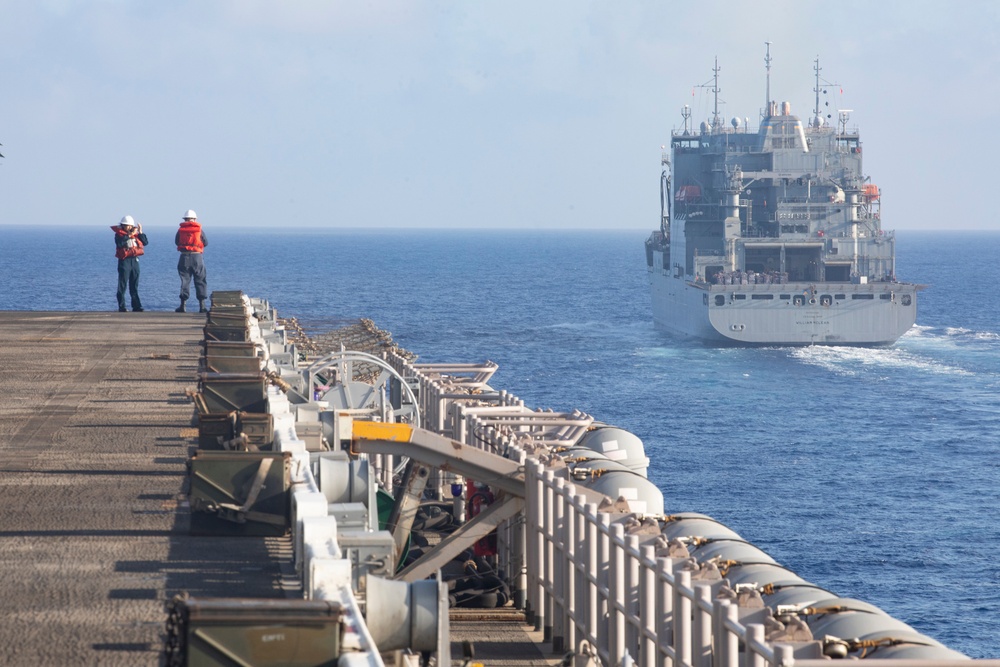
[
  {"x": 461, "y": 539},
  {"x": 439, "y": 452},
  {"x": 404, "y": 511}
]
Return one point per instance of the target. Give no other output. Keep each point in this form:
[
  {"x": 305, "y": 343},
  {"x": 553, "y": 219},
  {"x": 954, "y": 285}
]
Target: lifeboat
[{"x": 688, "y": 193}]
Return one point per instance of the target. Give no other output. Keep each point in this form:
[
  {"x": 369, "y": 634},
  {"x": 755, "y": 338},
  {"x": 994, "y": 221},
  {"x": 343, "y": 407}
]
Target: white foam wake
[{"x": 863, "y": 360}]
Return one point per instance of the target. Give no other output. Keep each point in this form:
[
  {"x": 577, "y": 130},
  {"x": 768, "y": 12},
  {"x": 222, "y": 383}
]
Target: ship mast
[
  {"x": 716, "y": 123},
  {"x": 817, "y": 69},
  {"x": 818, "y": 120},
  {"x": 767, "y": 65}
]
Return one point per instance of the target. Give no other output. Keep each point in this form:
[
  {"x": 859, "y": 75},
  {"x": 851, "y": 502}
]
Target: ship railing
[
  {"x": 442, "y": 393},
  {"x": 590, "y": 577},
  {"x": 597, "y": 582},
  {"x": 494, "y": 421},
  {"x": 589, "y": 581}
]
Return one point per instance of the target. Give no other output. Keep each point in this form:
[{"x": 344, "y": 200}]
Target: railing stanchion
[
  {"x": 647, "y": 608},
  {"x": 665, "y": 607},
  {"x": 603, "y": 581},
  {"x": 561, "y": 550},
  {"x": 755, "y": 635},
  {"x": 548, "y": 547},
  {"x": 730, "y": 640},
  {"x": 618, "y": 595},
  {"x": 702, "y": 630},
  {"x": 572, "y": 564},
  {"x": 682, "y": 616},
  {"x": 591, "y": 577},
  {"x": 633, "y": 624}
]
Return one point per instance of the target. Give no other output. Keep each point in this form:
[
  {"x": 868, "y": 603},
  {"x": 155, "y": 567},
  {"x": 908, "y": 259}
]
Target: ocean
[{"x": 873, "y": 473}]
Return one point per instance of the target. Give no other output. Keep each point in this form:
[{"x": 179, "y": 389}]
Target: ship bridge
[{"x": 782, "y": 132}]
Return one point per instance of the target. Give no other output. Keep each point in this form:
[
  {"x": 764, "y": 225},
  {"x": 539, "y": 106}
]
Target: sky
[{"x": 505, "y": 114}]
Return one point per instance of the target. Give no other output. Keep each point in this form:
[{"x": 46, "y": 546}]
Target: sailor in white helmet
[
  {"x": 190, "y": 241},
  {"x": 129, "y": 244}
]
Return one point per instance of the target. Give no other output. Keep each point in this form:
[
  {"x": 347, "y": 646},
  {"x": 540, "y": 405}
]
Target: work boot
[
  {"x": 201, "y": 306},
  {"x": 180, "y": 308}
]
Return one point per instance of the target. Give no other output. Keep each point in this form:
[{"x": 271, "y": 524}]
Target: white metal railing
[
  {"x": 589, "y": 581},
  {"x": 579, "y": 575},
  {"x": 586, "y": 576}
]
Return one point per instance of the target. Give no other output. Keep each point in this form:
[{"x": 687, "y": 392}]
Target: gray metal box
[
  {"x": 369, "y": 553},
  {"x": 349, "y": 516}
]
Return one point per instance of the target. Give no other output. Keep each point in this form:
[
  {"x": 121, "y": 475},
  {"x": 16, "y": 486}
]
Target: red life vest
[
  {"x": 189, "y": 237},
  {"x": 132, "y": 250}
]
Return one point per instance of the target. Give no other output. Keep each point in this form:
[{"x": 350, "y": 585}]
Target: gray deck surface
[{"x": 95, "y": 432}]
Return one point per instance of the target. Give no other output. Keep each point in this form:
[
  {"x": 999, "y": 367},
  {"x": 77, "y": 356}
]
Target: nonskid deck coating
[{"x": 95, "y": 431}]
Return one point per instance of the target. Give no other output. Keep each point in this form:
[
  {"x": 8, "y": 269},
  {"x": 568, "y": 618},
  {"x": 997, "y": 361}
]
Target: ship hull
[{"x": 796, "y": 314}]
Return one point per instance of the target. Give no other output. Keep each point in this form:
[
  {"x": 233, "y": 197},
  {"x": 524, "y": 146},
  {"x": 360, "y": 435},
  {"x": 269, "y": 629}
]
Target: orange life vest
[
  {"x": 134, "y": 249},
  {"x": 189, "y": 237}
]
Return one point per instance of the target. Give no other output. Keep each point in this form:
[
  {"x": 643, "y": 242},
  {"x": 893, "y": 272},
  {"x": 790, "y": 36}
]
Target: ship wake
[{"x": 857, "y": 361}]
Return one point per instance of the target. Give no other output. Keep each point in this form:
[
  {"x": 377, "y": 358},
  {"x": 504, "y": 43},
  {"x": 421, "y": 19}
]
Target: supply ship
[{"x": 774, "y": 237}]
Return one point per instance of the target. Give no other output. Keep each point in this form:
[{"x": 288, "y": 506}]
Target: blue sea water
[{"x": 873, "y": 473}]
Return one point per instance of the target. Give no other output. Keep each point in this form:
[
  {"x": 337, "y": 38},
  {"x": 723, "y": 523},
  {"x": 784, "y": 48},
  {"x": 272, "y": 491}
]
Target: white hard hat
[
  {"x": 190, "y": 215},
  {"x": 127, "y": 220}
]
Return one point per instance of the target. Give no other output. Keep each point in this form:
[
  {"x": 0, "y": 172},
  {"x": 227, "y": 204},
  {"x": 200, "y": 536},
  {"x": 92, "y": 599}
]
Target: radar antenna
[{"x": 845, "y": 115}]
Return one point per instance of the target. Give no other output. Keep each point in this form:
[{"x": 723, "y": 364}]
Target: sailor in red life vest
[
  {"x": 190, "y": 241},
  {"x": 129, "y": 242}
]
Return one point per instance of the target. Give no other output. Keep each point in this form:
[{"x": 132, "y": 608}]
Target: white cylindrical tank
[
  {"x": 578, "y": 452},
  {"x": 914, "y": 646},
  {"x": 616, "y": 481},
  {"x": 762, "y": 574},
  {"x": 691, "y": 524},
  {"x": 855, "y": 618},
  {"x": 618, "y": 445},
  {"x": 789, "y": 591},
  {"x": 850, "y": 624},
  {"x": 729, "y": 549}
]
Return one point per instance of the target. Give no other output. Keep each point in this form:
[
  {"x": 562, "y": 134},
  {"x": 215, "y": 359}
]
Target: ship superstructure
[{"x": 774, "y": 237}]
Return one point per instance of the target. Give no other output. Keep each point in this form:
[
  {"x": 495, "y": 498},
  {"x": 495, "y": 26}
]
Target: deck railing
[
  {"x": 590, "y": 580},
  {"x": 600, "y": 579}
]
